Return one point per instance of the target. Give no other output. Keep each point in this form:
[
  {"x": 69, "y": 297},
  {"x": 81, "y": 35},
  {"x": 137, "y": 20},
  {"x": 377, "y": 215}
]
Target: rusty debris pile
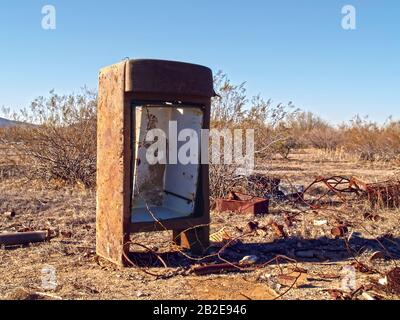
[
  {"x": 281, "y": 207},
  {"x": 270, "y": 225},
  {"x": 382, "y": 194}
]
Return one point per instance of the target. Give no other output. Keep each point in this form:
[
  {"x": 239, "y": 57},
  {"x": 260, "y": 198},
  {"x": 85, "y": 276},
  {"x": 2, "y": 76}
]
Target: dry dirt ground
[{"x": 319, "y": 264}]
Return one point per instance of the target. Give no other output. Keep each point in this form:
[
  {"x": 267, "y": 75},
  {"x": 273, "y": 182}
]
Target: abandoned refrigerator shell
[{"x": 124, "y": 88}]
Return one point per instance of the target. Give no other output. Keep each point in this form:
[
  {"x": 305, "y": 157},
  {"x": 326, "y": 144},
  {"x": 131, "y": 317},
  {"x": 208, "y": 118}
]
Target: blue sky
[{"x": 286, "y": 50}]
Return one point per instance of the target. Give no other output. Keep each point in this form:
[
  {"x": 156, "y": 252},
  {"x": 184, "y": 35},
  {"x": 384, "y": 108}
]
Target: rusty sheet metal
[
  {"x": 19, "y": 238},
  {"x": 113, "y": 165},
  {"x": 339, "y": 231},
  {"x": 169, "y": 77},
  {"x": 242, "y": 203},
  {"x": 217, "y": 269},
  {"x": 381, "y": 194}
]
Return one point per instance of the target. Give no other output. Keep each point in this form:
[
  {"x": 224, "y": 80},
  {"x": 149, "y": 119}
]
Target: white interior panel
[{"x": 164, "y": 191}]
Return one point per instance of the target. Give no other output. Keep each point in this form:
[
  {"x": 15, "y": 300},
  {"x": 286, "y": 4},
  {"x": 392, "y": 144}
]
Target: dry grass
[{"x": 69, "y": 213}]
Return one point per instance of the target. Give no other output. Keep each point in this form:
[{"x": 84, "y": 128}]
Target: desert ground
[{"x": 308, "y": 263}]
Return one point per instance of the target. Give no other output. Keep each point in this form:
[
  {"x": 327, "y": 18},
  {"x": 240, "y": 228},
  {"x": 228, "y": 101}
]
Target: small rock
[
  {"x": 9, "y": 214},
  {"x": 248, "y": 260},
  {"x": 319, "y": 223},
  {"x": 383, "y": 281}
]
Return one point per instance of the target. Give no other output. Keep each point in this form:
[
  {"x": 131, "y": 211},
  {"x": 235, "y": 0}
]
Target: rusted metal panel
[
  {"x": 241, "y": 203},
  {"x": 381, "y": 194},
  {"x": 158, "y": 77},
  {"x": 196, "y": 239},
  {"x": 384, "y": 194},
  {"x": 19, "y": 238},
  {"x": 113, "y": 164}
]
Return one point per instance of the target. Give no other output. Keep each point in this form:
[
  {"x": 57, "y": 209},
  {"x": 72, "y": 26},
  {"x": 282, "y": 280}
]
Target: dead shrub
[
  {"x": 360, "y": 138},
  {"x": 325, "y": 138},
  {"x": 57, "y": 138},
  {"x": 370, "y": 141},
  {"x": 309, "y": 130},
  {"x": 285, "y": 146},
  {"x": 232, "y": 109}
]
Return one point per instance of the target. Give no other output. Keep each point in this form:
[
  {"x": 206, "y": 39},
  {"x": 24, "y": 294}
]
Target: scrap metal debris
[
  {"x": 372, "y": 217},
  {"x": 278, "y": 230},
  {"x": 377, "y": 255},
  {"x": 222, "y": 238},
  {"x": 21, "y": 238},
  {"x": 339, "y": 231},
  {"x": 360, "y": 267},
  {"x": 337, "y": 185},
  {"x": 381, "y": 194},
  {"x": 241, "y": 203}
]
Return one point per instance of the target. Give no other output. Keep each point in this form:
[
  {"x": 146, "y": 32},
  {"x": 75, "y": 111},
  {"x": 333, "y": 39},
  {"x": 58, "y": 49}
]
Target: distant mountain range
[{"x": 7, "y": 123}]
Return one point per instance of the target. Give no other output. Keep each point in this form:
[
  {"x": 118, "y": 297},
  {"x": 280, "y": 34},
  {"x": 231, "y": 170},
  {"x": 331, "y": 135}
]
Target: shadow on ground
[{"x": 302, "y": 250}]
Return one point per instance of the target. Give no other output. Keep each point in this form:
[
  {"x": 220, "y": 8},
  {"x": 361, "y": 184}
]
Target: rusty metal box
[{"x": 135, "y": 196}]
